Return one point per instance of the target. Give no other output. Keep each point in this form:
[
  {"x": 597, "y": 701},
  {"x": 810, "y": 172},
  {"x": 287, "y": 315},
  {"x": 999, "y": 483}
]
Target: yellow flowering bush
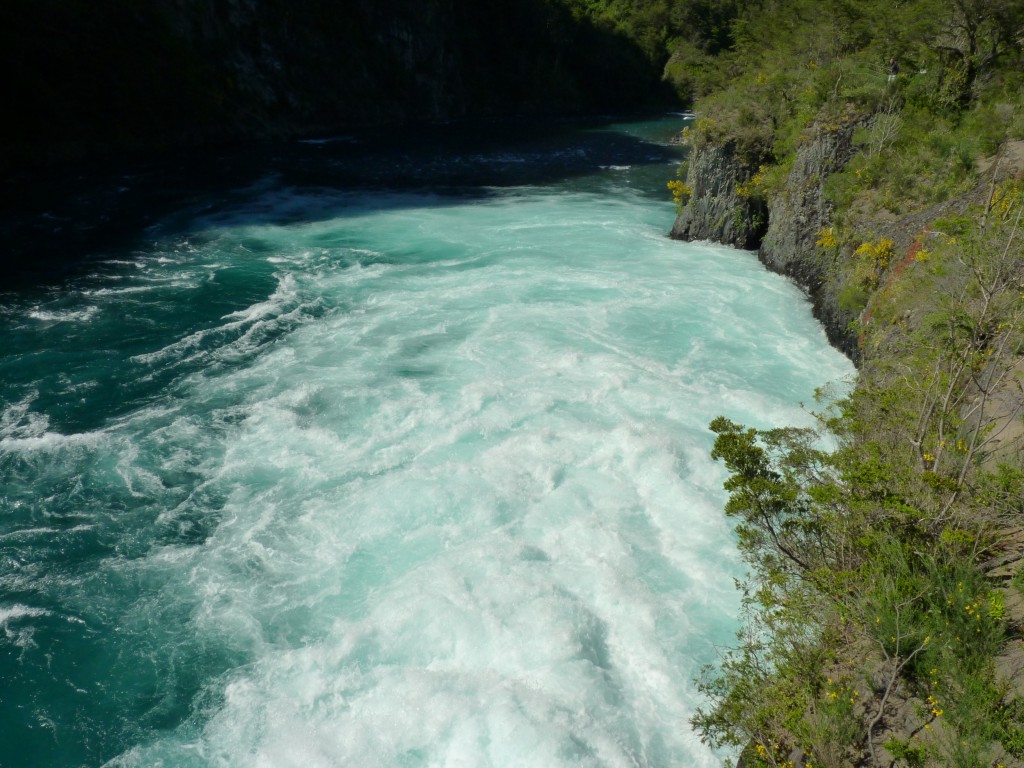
[
  {"x": 872, "y": 259},
  {"x": 754, "y": 186},
  {"x": 827, "y": 238},
  {"x": 680, "y": 192},
  {"x": 1005, "y": 198}
]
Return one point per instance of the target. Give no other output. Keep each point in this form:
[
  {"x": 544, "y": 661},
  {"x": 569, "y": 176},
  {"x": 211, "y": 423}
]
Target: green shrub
[
  {"x": 853, "y": 298},
  {"x": 914, "y": 755}
]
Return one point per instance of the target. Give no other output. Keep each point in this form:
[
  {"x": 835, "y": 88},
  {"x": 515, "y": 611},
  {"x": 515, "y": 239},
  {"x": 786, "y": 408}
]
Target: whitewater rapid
[{"x": 385, "y": 478}]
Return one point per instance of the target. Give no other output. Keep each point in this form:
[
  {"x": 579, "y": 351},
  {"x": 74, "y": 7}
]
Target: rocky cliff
[
  {"x": 797, "y": 216},
  {"x": 938, "y": 306},
  {"x": 91, "y": 76},
  {"x": 784, "y": 230},
  {"x": 716, "y": 210}
]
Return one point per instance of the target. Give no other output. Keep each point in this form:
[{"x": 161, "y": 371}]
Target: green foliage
[
  {"x": 853, "y": 298},
  {"x": 677, "y": 187},
  {"x": 792, "y": 64},
  {"x": 864, "y": 559},
  {"x": 692, "y": 72},
  {"x": 737, "y": 117},
  {"x": 1018, "y": 579},
  {"x": 1011, "y": 722},
  {"x": 776, "y": 532},
  {"x": 912, "y": 754},
  {"x": 875, "y": 544},
  {"x": 821, "y": 576}
]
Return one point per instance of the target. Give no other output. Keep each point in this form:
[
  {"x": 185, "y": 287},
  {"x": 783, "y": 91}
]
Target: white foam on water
[
  {"x": 239, "y": 335},
  {"x": 64, "y": 316},
  {"x": 23, "y": 533},
  {"x": 15, "y": 627},
  {"x": 464, "y": 515},
  {"x": 19, "y": 422},
  {"x": 15, "y": 612},
  {"x": 139, "y": 289},
  {"x": 330, "y": 140},
  {"x": 49, "y": 442}
]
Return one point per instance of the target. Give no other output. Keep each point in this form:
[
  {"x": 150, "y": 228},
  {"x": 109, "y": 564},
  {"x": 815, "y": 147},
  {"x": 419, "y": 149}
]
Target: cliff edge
[{"x": 784, "y": 226}]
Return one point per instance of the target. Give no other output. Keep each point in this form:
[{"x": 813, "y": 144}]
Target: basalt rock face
[
  {"x": 716, "y": 211},
  {"x": 90, "y": 76},
  {"x": 785, "y": 232},
  {"x": 313, "y": 64},
  {"x": 796, "y": 218},
  {"x": 116, "y": 75}
]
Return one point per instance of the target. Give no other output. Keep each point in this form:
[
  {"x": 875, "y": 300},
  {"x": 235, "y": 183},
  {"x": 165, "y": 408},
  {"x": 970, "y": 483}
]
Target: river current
[{"x": 407, "y": 468}]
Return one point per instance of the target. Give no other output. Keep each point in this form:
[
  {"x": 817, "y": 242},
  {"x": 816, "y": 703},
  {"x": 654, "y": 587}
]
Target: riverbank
[{"x": 884, "y": 601}]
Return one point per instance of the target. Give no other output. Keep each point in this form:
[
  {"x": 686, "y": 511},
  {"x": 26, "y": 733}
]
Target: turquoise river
[{"x": 385, "y": 457}]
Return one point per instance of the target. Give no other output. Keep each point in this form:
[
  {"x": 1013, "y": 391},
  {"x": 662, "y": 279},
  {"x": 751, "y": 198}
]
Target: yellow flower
[
  {"x": 827, "y": 238},
  {"x": 680, "y": 192}
]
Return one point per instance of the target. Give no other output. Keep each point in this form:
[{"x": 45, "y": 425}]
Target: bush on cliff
[{"x": 870, "y": 626}]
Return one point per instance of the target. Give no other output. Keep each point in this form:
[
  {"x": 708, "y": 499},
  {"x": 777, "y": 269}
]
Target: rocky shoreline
[
  {"x": 784, "y": 229},
  {"x": 789, "y": 241}
]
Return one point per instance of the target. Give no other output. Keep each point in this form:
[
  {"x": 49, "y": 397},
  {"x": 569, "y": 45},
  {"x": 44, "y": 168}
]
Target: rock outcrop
[
  {"x": 785, "y": 231},
  {"x": 716, "y": 210},
  {"x": 89, "y": 78},
  {"x": 797, "y": 216}
]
